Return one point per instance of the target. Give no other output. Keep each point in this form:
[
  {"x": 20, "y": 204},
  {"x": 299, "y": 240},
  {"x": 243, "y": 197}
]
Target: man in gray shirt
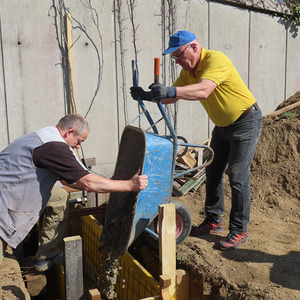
[{"x": 32, "y": 164}]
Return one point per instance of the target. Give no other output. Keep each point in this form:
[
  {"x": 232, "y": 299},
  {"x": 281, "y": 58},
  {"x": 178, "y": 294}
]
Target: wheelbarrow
[{"x": 130, "y": 214}]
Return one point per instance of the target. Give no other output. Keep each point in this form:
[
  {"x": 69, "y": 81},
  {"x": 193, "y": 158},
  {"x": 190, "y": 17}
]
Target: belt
[{"x": 247, "y": 112}]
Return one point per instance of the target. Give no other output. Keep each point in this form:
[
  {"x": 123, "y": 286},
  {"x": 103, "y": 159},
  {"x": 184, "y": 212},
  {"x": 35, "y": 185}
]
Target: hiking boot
[
  {"x": 43, "y": 265},
  {"x": 207, "y": 227},
  {"x": 233, "y": 241}
]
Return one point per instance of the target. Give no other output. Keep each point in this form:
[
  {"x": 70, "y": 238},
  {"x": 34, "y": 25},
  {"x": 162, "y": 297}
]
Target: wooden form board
[
  {"x": 167, "y": 243},
  {"x": 94, "y": 294},
  {"x": 182, "y": 285}
]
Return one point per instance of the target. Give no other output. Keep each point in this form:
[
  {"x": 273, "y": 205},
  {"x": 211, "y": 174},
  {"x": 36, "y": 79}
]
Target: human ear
[
  {"x": 194, "y": 47},
  {"x": 69, "y": 131}
]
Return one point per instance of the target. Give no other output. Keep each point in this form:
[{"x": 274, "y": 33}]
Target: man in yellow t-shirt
[{"x": 209, "y": 77}]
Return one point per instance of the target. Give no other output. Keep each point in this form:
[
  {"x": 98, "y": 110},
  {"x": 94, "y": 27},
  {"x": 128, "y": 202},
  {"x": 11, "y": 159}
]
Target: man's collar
[{"x": 201, "y": 64}]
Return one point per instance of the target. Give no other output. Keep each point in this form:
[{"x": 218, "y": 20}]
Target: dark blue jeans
[{"x": 234, "y": 147}]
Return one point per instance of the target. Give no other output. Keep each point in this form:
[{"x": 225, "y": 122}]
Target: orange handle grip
[{"x": 156, "y": 69}]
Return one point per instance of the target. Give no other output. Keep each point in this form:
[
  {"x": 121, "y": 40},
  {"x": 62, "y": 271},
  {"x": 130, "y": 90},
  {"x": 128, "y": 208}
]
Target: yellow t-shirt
[{"x": 230, "y": 98}]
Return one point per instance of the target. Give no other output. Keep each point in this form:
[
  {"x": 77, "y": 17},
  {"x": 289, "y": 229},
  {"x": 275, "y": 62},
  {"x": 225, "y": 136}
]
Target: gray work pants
[
  {"x": 234, "y": 147},
  {"x": 53, "y": 225}
]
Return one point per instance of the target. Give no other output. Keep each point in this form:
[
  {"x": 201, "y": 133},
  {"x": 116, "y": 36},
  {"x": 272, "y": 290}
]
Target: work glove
[
  {"x": 160, "y": 91},
  {"x": 136, "y": 91}
]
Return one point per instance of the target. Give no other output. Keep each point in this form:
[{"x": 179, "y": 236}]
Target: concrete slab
[{"x": 267, "y": 61}]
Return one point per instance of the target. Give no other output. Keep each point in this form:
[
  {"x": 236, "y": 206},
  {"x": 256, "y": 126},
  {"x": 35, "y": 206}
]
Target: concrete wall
[{"x": 107, "y": 35}]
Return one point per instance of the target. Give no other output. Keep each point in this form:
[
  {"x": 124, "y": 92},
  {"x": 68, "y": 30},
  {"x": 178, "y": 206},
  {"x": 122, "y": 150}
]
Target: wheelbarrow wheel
[{"x": 183, "y": 224}]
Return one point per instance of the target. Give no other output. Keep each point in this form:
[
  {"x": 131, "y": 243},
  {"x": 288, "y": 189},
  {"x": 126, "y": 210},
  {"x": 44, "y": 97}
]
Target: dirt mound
[
  {"x": 268, "y": 265},
  {"x": 276, "y": 165}
]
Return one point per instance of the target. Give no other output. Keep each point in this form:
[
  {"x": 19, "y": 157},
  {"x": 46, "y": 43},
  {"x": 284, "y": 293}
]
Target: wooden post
[
  {"x": 94, "y": 294},
  {"x": 182, "y": 285},
  {"x": 73, "y": 268},
  {"x": 167, "y": 244},
  {"x": 164, "y": 282},
  {"x": 69, "y": 41}
]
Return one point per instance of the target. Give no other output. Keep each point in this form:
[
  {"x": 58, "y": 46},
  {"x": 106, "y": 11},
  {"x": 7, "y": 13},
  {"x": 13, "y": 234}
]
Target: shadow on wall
[{"x": 293, "y": 28}]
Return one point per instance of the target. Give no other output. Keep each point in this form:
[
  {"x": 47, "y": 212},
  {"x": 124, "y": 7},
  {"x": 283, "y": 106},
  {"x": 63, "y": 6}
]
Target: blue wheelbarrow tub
[{"x": 128, "y": 214}]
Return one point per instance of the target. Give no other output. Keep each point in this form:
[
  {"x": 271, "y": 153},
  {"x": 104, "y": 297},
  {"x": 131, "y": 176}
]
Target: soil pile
[
  {"x": 12, "y": 286},
  {"x": 268, "y": 265}
]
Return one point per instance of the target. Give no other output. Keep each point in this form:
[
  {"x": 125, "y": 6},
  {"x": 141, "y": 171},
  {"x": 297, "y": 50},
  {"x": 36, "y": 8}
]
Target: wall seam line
[
  {"x": 4, "y": 85},
  {"x": 116, "y": 70}
]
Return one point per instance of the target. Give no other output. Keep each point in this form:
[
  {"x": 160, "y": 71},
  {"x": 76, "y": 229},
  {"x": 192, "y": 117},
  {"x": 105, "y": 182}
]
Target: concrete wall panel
[
  {"x": 267, "y": 61},
  {"x": 141, "y": 42},
  {"x": 292, "y": 64},
  {"x": 33, "y": 63},
  {"x": 3, "y": 118},
  {"x": 32, "y": 67},
  {"x": 94, "y": 79},
  {"x": 12, "y": 39},
  {"x": 229, "y": 33},
  {"x": 192, "y": 120},
  {"x": 232, "y": 39}
]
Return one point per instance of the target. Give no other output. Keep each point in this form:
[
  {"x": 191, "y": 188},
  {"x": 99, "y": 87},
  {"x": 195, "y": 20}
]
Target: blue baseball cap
[{"x": 178, "y": 39}]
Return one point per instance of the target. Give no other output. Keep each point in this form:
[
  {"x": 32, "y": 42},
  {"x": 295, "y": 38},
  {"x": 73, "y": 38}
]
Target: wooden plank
[
  {"x": 164, "y": 283},
  {"x": 200, "y": 157},
  {"x": 79, "y": 211},
  {"x": 199, "y": 174},
  {"x": 191, "y": 184},
  {"x": 187, "y": 159},
  {"x": 70, "y": 58},
  {"x": 182, "y": 285},
  {"x": 94, "y": 294},
  {"x": 182, "y": 166},
  {"x": 73, "y": 268},
  {"x": 36, "y": 283},
  {"x": 176, "y": 192},
  {"x": 283, "y": 110},
  {"x": 206, "y": 142},
  {"x": 167, "y": 243}
]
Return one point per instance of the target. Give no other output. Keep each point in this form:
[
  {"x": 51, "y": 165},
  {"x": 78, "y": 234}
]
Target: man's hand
[
  {"x": 136, "y": 91},
  {"x": 160, "y": 91},
  {"x": 138, "y": 182}
]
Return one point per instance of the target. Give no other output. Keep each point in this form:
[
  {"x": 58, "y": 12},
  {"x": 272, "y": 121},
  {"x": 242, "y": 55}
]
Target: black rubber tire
[{"x": 183, "y": 224}]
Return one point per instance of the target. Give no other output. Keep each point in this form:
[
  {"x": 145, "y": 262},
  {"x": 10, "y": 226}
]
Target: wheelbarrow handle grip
[
  {"x": 140, "y": 101},
  {"x": 156, "y": 69}
]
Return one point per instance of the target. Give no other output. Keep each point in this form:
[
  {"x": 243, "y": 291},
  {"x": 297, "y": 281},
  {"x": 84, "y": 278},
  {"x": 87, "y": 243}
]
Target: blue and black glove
[
  {"x": 160, "y": 91},
  {"x": 136, "y": 91}
]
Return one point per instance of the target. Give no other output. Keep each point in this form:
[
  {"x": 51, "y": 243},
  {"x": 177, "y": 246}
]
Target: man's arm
[
  {"x": 197, "y": 91},
  {"x": 58, "y": 157},
  {"x": 98, "y": 184}
]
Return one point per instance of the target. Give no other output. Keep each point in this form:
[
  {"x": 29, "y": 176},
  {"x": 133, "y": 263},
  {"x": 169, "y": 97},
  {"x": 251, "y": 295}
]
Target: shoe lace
[
  {"x": 235, "y": 236},
  {"x": 230, "y": 237}
]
